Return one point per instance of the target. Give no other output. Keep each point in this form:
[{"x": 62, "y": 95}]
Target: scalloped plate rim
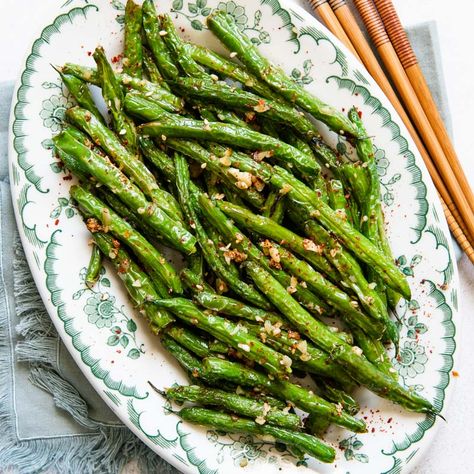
[{"x": 46, "y": 297}]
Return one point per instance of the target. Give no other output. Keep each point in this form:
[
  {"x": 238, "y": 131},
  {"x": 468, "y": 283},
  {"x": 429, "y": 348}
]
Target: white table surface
[{"x": 20, "y": 20}]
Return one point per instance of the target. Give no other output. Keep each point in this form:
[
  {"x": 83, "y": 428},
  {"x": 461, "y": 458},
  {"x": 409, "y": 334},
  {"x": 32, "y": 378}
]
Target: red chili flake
[
  {"x": 373, "y": 430},
  {"x": 389, "y": 420},
  {"x": 455, "y": 373},
  {"x": 89, "y": 53},
  {"x": 359, "y": 113},
  {"x": 118, "y": 351},
  {"x": 117, "y": 58},
  {"x": 56, "y": 222},
  {"x": 67, "y": 178},
  {"x": 113, "y": 361}
]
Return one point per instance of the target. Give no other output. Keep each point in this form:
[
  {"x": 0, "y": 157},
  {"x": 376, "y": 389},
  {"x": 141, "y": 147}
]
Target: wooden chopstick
[
  {"x": 409, "y": 62},
  {"x": 330, "y": 20},
  {"x": 457, "y": 233},
  {"x": 348, "y": 22},
  {"x": 389, "y": 57}
]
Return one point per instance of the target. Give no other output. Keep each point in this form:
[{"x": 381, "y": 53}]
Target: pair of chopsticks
[{"x": 419, "y": 112}]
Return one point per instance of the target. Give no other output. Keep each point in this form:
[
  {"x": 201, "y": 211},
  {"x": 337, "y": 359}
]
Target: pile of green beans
[{"x": 288, "y": 270}]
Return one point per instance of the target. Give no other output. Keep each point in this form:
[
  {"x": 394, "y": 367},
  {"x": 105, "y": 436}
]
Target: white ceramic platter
[{"x": 106, "y": 336}]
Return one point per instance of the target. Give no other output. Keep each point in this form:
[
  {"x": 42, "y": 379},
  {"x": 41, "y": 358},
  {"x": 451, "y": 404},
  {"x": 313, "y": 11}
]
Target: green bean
[
  {"x": 190, "y": 363},
  {"x": 224, "y": 27},
  {"x": 152, "y": 71},
  {"x": 226, "y": 331},
  {"x": 113, "y": 97},
  {"x": 232, "y": 402},
  {"x": 338, "y": 200},
  {"x": 180, "y": 51},
  {"x": 270, "y": 229},
  {"x": 132, "y": 46},
  {"x": 189, "y": 340},
  {"x": 330, "y": 292},
  {"x": 194, "y": 282},
  {"x": 195, "y": 151},
  {"x": 317, "y": 425},
  {"x": 208, "y": 247},
  {"x": 357, "y": 243},
  {"x": 337, "y": 395},
  {"x": 238, "y": 240},
  {"x": 108, "y": 174},
  {"x": 357, "y": 366},
  {"x": 122, "y": 231},
  {"x": 138, "y": 285},
  {"x": 219, "y": 132},
  {"x": 132, "y": 167},
  {"x": 238, "y": 99},
  {"x": 219, "y": 369},
  {"x": 157, "y": 93},
  {"x": 375, "y": 352},
  {"x": 229, "y": 69},
  {"x": 81, "y": 93},
  {"x": 231, "y": 307},
  {"x": 230, "y": 424},
  {"x": 152, "y": 28},
  {"x": 158, "y": 158},
  {"x": 305, "y": 355},
  {"x": 94, "y": 267}
]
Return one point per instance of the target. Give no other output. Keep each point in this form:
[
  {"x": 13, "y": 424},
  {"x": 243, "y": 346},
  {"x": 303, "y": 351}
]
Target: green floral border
[
  {"x": 191, "y": 452},
  {"x": 30, "y": 231},
  {"x": 158, "y": 439},
  {"x": 432, "y": 291},
  {"x": 398, "y": 463},
  {"x": 318, "y": 36},
  {"x": 22, "y": 93},
  {"x": 285, "y": 17}
]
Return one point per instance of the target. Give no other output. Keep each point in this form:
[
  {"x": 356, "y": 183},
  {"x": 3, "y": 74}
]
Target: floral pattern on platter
[
  {"x": 120, "y": 8},
  {"x": 408, "y": 268},
  {"x": 245, "y": 449},
  {"x": 66, "y": 205},
  {"x": 196, "y": 12},
  {"x": 386, "y": 186},
  {"x": 53, "y": 112},
  {"x": 411, "y": 360},
  {"x": 303, "y": 77},
  {"x": 102, "y": 311},
  {"x": 351, "y": 447},
  {"x": 410, "y": 320}
]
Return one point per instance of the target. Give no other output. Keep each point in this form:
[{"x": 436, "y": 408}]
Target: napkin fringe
[{"x": 106, "y": 449}]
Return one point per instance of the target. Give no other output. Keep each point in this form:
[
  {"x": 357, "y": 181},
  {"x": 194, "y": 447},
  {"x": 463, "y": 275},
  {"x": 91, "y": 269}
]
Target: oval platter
[{"x": 106, "y": 336}]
